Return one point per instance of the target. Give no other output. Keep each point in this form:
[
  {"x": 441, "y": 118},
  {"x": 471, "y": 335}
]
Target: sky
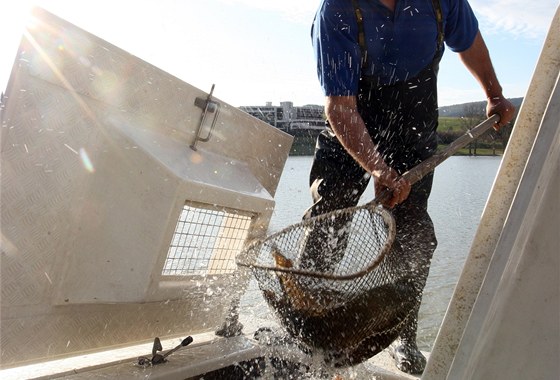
[{"x": 258, "y": 51}]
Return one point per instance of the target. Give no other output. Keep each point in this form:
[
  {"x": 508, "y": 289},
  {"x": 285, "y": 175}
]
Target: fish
[
  {"x": 349, "y": 327},
  {"x": 301, "y": 299}
]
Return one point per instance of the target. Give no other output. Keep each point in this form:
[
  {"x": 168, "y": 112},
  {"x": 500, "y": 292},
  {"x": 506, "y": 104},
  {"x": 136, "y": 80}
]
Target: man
[{"x": 377, "y": 63}]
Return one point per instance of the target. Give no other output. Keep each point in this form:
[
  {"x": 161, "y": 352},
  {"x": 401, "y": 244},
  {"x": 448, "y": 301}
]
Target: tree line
[{"x": 491, "y": 143}]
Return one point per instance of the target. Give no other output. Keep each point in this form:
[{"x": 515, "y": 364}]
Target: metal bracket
[
  {"x": 208, "y": 106},
  {"x": 162, "y": 358}
]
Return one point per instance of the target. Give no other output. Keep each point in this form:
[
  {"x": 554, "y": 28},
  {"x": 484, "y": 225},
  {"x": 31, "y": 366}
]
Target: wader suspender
[
  {"x": 362, "y": 36},
  {"x": 439, "y": 19}
]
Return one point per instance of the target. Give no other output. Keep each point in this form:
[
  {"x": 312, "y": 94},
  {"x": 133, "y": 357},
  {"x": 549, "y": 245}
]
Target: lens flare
[{"x": 86, "y": 161}]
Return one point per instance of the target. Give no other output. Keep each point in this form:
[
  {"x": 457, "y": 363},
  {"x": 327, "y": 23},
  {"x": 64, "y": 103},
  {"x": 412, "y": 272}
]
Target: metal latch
[{"x": 208, "y": 106}]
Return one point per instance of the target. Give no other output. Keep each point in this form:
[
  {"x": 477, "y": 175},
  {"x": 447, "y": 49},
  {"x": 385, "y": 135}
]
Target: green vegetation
[
  {"x": 492, "y": 143},
  {"x": 303, "y": 145},
  {"x": 450, "y": 124},
  {"x": 480, "y": 151}
]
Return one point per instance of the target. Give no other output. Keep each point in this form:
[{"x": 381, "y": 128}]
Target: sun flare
[{"x": 16, "y": 19}]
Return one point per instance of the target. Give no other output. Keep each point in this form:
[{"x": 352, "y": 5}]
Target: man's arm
[
  {"x": 477, "y": 60},
  {"x": 348, "y": 125}
]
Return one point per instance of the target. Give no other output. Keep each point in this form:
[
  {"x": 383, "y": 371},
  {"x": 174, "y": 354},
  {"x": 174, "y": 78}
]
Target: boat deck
[{"x": 205, "y": 357}]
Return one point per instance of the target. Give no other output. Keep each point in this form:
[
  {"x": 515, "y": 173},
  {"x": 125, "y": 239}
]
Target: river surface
[{"x": 461, "y": 187}]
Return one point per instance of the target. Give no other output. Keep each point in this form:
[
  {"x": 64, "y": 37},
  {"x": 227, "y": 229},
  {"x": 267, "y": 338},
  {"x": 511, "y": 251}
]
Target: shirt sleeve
[
  {"x": 337, "y": 53},
  {"x": 461, "y": 25}
]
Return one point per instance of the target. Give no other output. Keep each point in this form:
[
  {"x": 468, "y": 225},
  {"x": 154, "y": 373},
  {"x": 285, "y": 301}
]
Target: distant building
[{"x": 289, "y": 118}]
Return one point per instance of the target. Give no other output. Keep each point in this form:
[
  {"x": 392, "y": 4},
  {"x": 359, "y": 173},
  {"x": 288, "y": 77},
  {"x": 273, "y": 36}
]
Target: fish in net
[{"x": 351, "y": 304}]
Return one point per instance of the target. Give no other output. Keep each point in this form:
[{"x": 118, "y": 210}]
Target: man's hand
[
  {"x": 501, "y": 106},
  {"x": 390, "y": 189}
]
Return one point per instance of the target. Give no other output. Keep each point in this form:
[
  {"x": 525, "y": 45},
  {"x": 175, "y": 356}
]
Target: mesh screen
[{"x": 206, "y": 241}]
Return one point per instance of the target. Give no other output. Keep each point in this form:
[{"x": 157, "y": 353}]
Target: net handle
[{"x": 419, "y": 171}]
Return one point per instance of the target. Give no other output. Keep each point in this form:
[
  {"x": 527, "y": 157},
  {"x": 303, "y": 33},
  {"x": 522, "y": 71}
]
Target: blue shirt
[{"x": 399, "y": 44}]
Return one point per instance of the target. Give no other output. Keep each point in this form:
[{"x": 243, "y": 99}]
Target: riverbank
[{"x": 304, "y": 145}]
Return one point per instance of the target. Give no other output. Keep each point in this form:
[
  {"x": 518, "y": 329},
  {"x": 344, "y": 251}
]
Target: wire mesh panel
[{"x": 206, "y": 241}]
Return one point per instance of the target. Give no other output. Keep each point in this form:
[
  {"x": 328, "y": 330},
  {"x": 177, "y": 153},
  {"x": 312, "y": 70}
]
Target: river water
[{"x": 461, "y": 187}]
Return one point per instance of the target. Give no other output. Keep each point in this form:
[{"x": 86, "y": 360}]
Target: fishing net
[{"x": 336, "y": 283}]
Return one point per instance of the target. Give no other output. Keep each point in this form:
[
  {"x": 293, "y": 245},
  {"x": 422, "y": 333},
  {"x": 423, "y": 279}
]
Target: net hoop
[{"x": 248, "y": 256}]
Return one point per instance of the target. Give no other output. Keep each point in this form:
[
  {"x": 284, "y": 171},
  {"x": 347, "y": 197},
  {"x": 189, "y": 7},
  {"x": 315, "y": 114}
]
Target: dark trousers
[{"x": 402, "y": 121}]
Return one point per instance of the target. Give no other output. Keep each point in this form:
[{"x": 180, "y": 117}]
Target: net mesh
[{"x": 335, "y": 282}]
